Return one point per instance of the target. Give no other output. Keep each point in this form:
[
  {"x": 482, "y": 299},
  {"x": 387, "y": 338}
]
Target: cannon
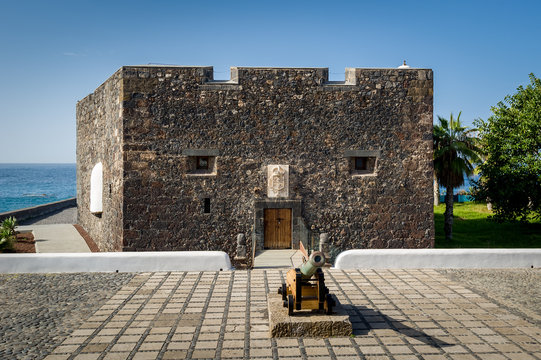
[{"x": 305, "y": 288}]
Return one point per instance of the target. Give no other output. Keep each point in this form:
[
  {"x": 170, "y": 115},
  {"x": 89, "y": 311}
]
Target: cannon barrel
[{"x": 315, "y": 261}]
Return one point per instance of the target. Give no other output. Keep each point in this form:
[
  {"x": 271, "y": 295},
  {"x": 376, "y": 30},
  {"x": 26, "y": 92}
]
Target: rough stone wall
[
  {"x": 99, "y": 139},
  {"x": 276, "y": 116}
]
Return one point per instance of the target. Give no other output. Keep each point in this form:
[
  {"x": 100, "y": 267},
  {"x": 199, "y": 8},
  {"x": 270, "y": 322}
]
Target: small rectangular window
[
  {"x": 206, "y": 205},
  {"x": 360, "y": 163},
  {"x": 202, "y": 163}
]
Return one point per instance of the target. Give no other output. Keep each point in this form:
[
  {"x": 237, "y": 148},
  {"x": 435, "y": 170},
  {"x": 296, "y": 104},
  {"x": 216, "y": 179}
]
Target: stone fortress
[{"x": 170, "y": 159}]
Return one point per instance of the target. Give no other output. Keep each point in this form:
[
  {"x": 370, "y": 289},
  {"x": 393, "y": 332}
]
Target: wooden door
[{"x": 277, "y": 229}]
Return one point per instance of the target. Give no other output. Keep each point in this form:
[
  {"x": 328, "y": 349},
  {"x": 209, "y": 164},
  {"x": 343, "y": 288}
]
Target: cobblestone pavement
[
  {"x": 396, "y": 314},
  {"x": 38, "y": 311},
  {"x": 519, "y": 290}
]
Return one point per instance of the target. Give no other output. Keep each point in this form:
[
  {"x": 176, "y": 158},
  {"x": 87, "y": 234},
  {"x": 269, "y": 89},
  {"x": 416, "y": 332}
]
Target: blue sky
[{"x": 54, "y": 53}]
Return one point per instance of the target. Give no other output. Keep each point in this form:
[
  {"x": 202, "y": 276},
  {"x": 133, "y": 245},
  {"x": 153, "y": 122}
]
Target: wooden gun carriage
[{"x": 305, "y": 288}]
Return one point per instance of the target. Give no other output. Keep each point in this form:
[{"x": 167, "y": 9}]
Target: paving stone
[
  {"x": 261, "y": 343},
  {"x": 156, "y": 338},
  {"x": 174, "y": 354},
  {"x": 87, "y": 357},
  {"x": 206, "y": 344},
  {"x": 117, "y": 356},
  {"x": 108, "y": 331},
  {"x": 233, "y": 335},
  {"x": 434, "y": 357},
  {"x": 462, "y": 357},
  {"x": 399, "y": 349},
  {"x": 203, "y": 354},
  {"x": 62, "y": 349},
  {"x": 148, "y": 355},
  {"x": 56, "y": 357},
  {"x": 289, "y": 352},
  {"x": 487, "y": 331},
  {"x": 233, "y": 353},
  {"x": 532, "y": 348},
  {"x": 160, "y": 330},
  {"x": 123, "y": 347},
  {"x": 151, "y": 346},
  {"x": 480, "y": 348},
  {"x": 233, "y": 344},
  {"x": 313, "y": 342},
  {"x": 93, "y": 348},
  {"x": 340, "y": 341},
  {"x": 261, "y": 352},
  {"x": 310, "y": 351},
  {"x": 426, "y": 349}
]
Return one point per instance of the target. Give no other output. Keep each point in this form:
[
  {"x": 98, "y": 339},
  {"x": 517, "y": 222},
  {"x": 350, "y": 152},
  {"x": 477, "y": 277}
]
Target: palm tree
[{"x": 455, "y": 152}]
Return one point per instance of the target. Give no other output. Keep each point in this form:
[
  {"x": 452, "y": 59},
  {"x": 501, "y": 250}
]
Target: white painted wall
[
  {"x": 115, "y": 261},
  {"x": 438, "y": 258},
  {"x": 96, "y": 189}
]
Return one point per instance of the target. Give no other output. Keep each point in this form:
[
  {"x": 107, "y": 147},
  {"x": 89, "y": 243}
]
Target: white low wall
[
  {"x": 115, "y": 261},
  {"x": 438, "y": 258},
  {"x": 39, "y": 210}
]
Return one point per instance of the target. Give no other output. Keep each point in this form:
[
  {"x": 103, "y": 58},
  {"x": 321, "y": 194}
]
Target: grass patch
[{"x": 473, "y": 229}]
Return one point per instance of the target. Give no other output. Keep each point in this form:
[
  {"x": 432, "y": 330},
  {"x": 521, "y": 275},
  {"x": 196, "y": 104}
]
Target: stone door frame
[{"x": 259, "y": 220}]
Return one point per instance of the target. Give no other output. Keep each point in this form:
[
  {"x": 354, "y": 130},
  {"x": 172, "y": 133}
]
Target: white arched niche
[{"x": 96, "y": 189}]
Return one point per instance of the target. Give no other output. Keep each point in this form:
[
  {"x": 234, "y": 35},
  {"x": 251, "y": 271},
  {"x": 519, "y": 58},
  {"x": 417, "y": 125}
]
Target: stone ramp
[{"x": 277, "y": 259}]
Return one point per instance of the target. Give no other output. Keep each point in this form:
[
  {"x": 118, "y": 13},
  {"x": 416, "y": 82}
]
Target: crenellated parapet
[
  {"x": 145, "y": 80},
  {"x": 274, "y": 76}
]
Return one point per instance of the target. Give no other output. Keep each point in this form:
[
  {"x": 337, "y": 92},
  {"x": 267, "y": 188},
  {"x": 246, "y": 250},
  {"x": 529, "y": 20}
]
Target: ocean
[
  {"x": 466, "y": 187},
  {"x": 26, "y": 185}
]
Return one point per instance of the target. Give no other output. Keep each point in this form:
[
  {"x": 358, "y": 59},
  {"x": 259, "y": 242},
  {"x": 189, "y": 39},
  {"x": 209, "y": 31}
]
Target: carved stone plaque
[{"x": 278, "y": 181}]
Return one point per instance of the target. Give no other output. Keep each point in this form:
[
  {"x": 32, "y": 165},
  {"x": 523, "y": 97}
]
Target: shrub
[
  {"x": 6, "y": 239},
  {"x": 8, "y": 234},
  {"x": 10, "y": 223}
]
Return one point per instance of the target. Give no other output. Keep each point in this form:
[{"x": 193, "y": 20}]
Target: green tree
[
  {"x": 455, "y": 153},
  {"x": 511, "y": 138}
]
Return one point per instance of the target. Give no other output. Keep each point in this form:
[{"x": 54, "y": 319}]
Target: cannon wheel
[
  {"x": 330, "y": 303},
  {"x": 283, "y": 291},
  {"x": 290, "y": 304}
]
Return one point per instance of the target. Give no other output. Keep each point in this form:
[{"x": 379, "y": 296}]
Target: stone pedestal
[{"x": 306, "y": 323}]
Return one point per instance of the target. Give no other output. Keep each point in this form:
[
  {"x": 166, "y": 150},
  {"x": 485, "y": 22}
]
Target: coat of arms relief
[{"x": 278, "y": 181}]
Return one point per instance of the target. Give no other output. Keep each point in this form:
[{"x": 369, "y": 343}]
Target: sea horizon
[
  {"x": 24, "y": 185},
  {"x": 38, "y": 163}
]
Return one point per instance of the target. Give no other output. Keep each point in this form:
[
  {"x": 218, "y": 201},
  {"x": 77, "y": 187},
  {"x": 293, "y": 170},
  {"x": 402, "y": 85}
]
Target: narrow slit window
[{"x": 206, "y": 205}]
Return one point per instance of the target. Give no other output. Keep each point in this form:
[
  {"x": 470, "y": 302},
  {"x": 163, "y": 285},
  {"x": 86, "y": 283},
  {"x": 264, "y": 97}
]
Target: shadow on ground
[
  {"x": 62, "y": 216},
  {"x": 364, "y": 319}
]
